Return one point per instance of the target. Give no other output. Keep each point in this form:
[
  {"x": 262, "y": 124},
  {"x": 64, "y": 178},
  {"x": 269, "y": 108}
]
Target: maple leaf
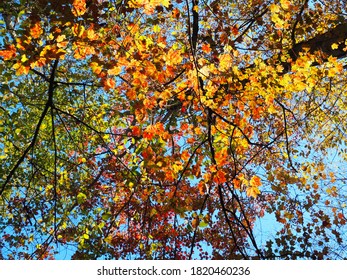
[
  {"x": 109, "y": 83},
  {"x": 219, "y": 177},
  {"x": 150, "y": 68},
  {"x": 78, "y": 30},
  {"x": 91, "y": 35},
  {"x": 115, "y": 70},
  {"x": 36, "y": 30},
  {"x": 202, "y": 187},
  {"x": 165, "y": 3},
  {"x": 334, "y": 46},
  {"x": 253, "y": 189},
  {"x": 206, "y": 48},
  {"x": 221, "y": 157},
  {"x": 136, "y": 131},
  {"x": 79, "y": 7},
  {"x": 61, "y": 43},
  {"x": 8, "y": 53},
  {"x": 149, "y": 132},
  {"x": 21, "y": 69},
  {"x": 235, "y": 30},
  {"x": 285, "y": 4},
  {"x": 131, "y": 94},
  {"x": 173, "y": 57},
  {"x": 185, "y": 155},
  {"x": 96, "y": 67},
  {"x": 154, "y": 130},
  {"x": 225, "y": 61}
]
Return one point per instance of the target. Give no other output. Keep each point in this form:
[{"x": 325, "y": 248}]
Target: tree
[{"x": 158, "y": 129}]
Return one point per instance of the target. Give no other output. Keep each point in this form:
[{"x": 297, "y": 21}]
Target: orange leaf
[
  {"x": 150, "y": 68},
  {"x": 131, "y": 94},
  {"x": 136, "y": 131},
  {"x": 148, "y": 134},
  {"x": 147, "y": 153},
  {"x": 79, "y": 7},
  {"x": 173, "y": 57},
  {"x": 95, "y": 67},
  {"x": 21, "y": 69},
  {"x": 202, "y": 187},
  {"x": 255, "y": 181},
  {"x": 184, "y": 126},
  {"x": 219, "y": 177},
  {"x": 8, "y": 53},
  {"x": 221, "y": 156},
  {"x": 185, "y": 155},
  {"x": 235, "y": 30},
  {"x": 206, "y": 48},
  {"x": 36, "y": 30},
  {"x": 109, "y": 84},
  {"x": 253, "y": 189},
  {"x": 237, "y": 183}
]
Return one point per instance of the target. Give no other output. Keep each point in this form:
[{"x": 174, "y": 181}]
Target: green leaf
[
  {"x": 106, "y": 216},
  {"x": 81, "y": 198},
  {"x": 203, "y": 224}
]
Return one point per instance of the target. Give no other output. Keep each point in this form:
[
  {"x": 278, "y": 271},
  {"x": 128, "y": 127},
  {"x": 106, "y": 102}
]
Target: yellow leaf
[
  {"x": 24, "y": 58},
  {"x": 78, "y": 30},
  {"x": 274, "y": 8},
  {"x": 252, "y": 191},
  {"x": 135, "y": 3},
  {"x": 91, "y": 35},
  {"x": 21, "y": 69},
  {"x": 108, "y": 239},
  {"x": 177, "y": 167},
  {"x": 173, "y": 57},
  {"x": 334, "y": 46},
  {"x": 115, "y": 70},
  {"x": 225, "y": 62},
  {"x": 271, "y": 109},
  {"x": 285, "y": 4},
  {"x": 61, "y": 38},
  {"x": 156, "y": 28},
  {"x": 96, "y": 67},
  {"x": 165, "y": 3},
  {"x": 279, "y": 23}
]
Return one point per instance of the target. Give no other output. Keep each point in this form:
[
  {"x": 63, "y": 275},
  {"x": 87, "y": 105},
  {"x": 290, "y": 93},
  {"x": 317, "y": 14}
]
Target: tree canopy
[{"x": 173, "y": 129}]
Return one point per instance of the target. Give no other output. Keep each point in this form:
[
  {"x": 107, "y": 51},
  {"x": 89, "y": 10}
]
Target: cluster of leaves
[{"x": 158, "y": 129}]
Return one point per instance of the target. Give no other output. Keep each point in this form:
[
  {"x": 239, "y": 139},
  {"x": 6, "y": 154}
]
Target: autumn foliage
[{"x": 173, "y": 129}]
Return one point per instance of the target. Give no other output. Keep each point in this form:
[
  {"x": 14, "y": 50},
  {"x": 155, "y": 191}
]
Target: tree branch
[{"x": 49, "y": 104}]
